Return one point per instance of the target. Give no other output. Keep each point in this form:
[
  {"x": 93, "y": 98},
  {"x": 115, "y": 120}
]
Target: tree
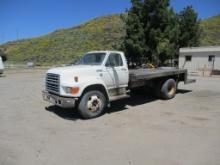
[
  {"x": 155, "y": 32},
  {"x": 134, "y": 44},
  {"x": 168, "y": 44},
  {"x": 160, "y": 30},
  {"x": 189, "y": 27}
]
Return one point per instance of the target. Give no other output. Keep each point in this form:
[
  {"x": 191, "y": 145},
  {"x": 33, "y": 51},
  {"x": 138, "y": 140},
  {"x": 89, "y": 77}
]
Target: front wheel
[{"x": 92, "y": 104}]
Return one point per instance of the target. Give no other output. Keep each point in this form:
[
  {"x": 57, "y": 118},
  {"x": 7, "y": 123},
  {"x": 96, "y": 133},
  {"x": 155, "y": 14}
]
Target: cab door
[{"x": 117, "y": 70}]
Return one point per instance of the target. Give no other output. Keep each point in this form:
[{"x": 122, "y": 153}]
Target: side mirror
[{"x": 4, "y": 58}]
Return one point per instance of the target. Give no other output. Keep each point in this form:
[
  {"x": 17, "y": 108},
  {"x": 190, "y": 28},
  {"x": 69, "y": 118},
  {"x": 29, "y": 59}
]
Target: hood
[{"x": 74, "y": 69}]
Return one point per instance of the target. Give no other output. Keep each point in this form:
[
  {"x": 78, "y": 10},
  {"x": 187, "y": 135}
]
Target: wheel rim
[
  {"x": 171, "y": 89},
  {"x": 94, "y": 103}
]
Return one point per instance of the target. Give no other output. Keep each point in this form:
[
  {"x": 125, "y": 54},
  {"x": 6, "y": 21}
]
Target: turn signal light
[
  {"x": 74, "y": 90},
  {"x": 76, "y": 79}
]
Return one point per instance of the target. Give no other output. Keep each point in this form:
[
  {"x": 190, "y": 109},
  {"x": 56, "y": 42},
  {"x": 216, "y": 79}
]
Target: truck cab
[
  {"x": 105, "y": 73},
  {"x": 1, "y": 66}
]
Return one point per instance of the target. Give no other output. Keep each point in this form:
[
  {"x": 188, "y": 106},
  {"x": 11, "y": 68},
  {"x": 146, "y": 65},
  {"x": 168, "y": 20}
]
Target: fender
[
  {"x": 90, "y": 81},
  {"x": 83, "y": 83}
]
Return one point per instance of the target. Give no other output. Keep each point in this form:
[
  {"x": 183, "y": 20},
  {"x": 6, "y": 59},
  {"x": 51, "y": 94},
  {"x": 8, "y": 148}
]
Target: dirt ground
[{"x": 141, "y": 130}]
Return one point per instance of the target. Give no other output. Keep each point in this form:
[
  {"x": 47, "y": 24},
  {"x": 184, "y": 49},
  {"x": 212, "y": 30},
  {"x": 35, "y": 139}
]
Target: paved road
[{"x": 138, "y": 131}]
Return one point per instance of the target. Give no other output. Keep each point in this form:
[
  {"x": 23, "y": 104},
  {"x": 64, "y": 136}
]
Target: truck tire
[
  {"x": 92, "y": 104},
  {"x": 167, "y": 89}
]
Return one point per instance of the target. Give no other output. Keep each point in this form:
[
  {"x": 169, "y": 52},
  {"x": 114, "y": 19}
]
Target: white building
[{"x": 200, "y": 58}]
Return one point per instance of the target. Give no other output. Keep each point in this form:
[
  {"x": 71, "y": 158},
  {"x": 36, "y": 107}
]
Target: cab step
[{"x": 119, "y": 97}]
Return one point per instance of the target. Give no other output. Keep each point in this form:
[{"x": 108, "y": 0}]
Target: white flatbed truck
[{"x": 100, "y": 77}]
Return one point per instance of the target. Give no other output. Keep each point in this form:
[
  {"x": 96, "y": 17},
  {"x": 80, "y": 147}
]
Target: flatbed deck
[
  {"x": 146, "y": 74},
  {"x": 137, "y": 77}
]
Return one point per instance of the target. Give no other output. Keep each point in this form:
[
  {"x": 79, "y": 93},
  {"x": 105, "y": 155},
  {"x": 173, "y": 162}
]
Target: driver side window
[{"x": 114, "y": 60}]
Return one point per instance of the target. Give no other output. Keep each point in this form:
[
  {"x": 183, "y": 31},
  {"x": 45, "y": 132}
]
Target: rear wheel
[
  {"x": 167, "y": 89},
  {"x": 92, "y": 104}
]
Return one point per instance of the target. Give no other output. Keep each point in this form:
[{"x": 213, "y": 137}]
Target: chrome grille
[{"x": 53, "y": 83}]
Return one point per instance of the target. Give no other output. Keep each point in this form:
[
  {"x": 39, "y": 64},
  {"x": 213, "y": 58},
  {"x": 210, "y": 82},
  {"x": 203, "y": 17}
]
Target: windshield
[{"x": 91, "y": 59}]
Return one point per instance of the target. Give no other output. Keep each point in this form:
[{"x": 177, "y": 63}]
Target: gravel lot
[{"x": 139, "y": 131}]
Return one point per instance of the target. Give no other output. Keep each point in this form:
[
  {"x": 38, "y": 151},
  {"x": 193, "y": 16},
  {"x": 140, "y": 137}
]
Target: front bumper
[{"x": 64, "y": 102}]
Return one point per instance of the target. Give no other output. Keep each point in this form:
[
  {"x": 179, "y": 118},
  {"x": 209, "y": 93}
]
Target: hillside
[
  {"x": 65, "y": 45},
  {"x": 210, "y": 31}
]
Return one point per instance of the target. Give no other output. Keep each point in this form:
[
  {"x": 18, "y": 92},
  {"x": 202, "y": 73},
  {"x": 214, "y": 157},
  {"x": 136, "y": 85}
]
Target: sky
[{"x": 32, "y": 18}]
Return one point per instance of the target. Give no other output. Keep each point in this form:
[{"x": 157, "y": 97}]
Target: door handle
[
  {"x": 124, "y": 69},
  {"x": 99, "y": 70}
]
